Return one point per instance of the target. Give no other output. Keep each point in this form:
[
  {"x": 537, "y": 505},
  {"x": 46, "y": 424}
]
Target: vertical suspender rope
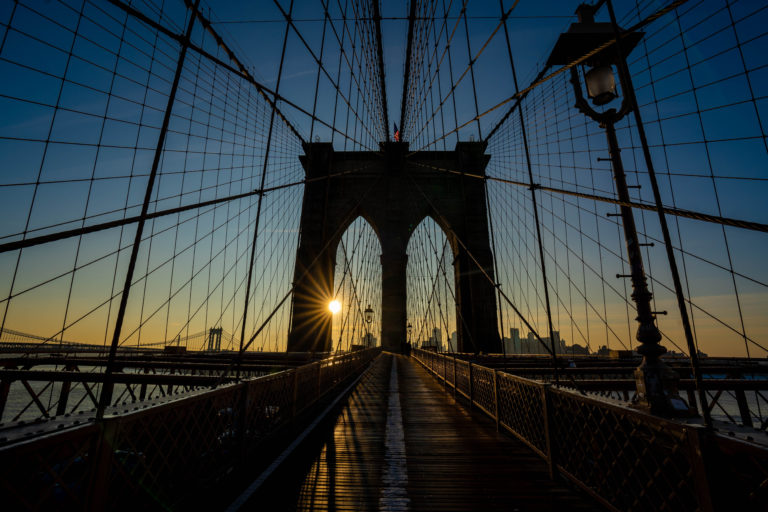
[
  {"x": 261, "y": 199},
  {"x": 534, "y": 203},
  {"x": 106, "y": 390}
]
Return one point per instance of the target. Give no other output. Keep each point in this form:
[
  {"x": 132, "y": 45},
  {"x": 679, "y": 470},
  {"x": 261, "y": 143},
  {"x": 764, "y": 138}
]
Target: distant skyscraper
[
  {"x": 515, "y": 335},
  {"x": 435, "y": 340}
]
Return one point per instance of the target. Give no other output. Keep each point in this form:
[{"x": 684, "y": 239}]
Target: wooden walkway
[{"x": 402, "y": 443}]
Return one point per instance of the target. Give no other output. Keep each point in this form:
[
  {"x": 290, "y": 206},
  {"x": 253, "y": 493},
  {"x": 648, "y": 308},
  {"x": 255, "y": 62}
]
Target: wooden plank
[{"x": 456, "y": 460}]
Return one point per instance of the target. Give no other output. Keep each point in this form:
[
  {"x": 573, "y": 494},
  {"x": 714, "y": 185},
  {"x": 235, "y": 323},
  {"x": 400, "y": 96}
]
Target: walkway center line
[{"x": 394, "y": 479}]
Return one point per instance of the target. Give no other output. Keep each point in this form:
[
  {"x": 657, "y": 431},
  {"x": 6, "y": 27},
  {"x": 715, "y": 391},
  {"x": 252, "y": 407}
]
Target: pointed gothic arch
[
  {"x": 357, "y": 284},
  {"x": 431, "y": 282}
]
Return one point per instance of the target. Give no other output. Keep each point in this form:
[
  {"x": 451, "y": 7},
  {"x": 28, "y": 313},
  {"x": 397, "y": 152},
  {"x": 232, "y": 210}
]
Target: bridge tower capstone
[{"x": 394, "y": 190}]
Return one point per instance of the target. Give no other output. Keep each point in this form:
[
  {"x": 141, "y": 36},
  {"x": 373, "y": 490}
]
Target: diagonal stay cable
[
  {"x": 61, "y": 235},
  {"x": 541, "y": 77},
  {"x": 338, "y": 232},
  {"x": 441, "y": 266},
  {"x": 483, "y": 271},
  {"x": 380, "y": 55},
  {"x": 319, "y": 63},
  {"x": 469, "y": 69},
  {"x": 241, "y": 69},
  {"x": 679, "y": 212}
]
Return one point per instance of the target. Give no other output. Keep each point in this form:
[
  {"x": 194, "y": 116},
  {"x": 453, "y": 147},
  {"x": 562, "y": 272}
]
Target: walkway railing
[
  {"x": 735, "y": 387},
  {"x": 168, "y": 455},
  {"x": 626, "y": 459},
  {"x": 39, "y": 387}
]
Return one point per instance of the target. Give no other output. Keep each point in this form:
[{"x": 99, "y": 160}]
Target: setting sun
[{"x": 334, "y": 306}]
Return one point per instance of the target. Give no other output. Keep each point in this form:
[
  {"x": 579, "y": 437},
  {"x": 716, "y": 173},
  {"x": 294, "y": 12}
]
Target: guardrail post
[
  {"x": 5, "y": 387},
  {"x": 698, "y": 467},
  {"x": 549, "y": 427},
  {"x": 143, "y": 388},
  {"x": 454, "y": 376},
  {"x": 692, "y": 402},
  {"x": 741, "y": 401},
  {"x": 445, "y": 370},
  {"x": 170, "y": 386},
  {"x": 101, "y": 465},
  {"x": 242, "y": 423},
  {"x": 61, "y": 407},
  {"x": 66, "y": 386},
  {"x": 295, "y": 393},
  {"x": 471, "y": 387},
  {"x": 496, "y": 397}
]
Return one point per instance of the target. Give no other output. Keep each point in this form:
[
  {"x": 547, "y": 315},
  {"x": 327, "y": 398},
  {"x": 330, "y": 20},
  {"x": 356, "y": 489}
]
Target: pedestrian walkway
[{"x": 402, "y": 443}]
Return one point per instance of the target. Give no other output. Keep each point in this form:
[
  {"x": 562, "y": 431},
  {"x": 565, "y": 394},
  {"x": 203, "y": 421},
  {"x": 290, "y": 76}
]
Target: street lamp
[
  {"x": 368, "y": 320},
  {"x": 656, "y": 382},
  {"x": 368, "y": 315}
]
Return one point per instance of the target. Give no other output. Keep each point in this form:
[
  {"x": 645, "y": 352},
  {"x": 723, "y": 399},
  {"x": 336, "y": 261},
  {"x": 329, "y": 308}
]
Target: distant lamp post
[
  {"x": 656, "y": 382},
  {"x": 368, "y": 319},
  {"x": 368, "y": 315},
  {"x": 410, "y": 330}
]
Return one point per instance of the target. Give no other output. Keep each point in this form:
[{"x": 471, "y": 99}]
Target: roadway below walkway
[{"x": 402, "y": 443}]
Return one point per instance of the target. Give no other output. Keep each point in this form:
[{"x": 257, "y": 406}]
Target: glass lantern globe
[
  {"x": 601, "y": 85},
  {"x": 368, "y": 314}
]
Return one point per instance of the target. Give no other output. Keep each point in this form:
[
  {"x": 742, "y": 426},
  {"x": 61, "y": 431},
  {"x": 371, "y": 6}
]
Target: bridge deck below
[{"x": 402, "y": 443}]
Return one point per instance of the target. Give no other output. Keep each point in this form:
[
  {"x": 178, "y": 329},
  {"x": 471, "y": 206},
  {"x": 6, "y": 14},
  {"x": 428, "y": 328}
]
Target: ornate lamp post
[
  {"x": 368, "y": 320},
  {"x": 656, "y": 382}
]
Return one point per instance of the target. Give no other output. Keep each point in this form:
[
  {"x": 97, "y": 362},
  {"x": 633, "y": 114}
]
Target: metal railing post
[
  {"x": 241, "y": 422},
  {"x": 496, "y": 397},
  {"x": 699, "y": 469},
  {"x": 471, "y": 387},
  {"x": 741, "y": 401},
  {"x": 547, "y": 410},
  {"x": 101, "y": 465},
  {"x": 5, "y": 387},
  {"x": 61, "y": 407},
  {"x": 444, "y": 360},
  {"x": 454, "y": 376},
  {"x": 295, "y": 393}
]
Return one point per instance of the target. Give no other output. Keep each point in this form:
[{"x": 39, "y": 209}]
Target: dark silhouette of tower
[{"x": 394, "y": 190}]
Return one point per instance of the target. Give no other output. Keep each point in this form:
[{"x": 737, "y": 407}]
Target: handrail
[
  {"x": 170, "y": 455},
  {"x": 612, "y": 451}
]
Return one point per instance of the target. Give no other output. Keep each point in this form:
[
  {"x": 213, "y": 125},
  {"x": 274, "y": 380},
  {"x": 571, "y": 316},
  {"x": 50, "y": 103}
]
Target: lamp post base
[{"x": 657, "y": 391}]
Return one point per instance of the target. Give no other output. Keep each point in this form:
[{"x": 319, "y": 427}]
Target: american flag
[{"x": 397, "y": 133}]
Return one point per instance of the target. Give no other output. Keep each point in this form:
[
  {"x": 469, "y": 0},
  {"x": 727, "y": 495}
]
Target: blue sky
[{"x": 77, "y": 152}]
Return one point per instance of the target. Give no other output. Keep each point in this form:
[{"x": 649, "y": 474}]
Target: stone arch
[
  {"x": 351, "y": 288},
  {"x": 444, "y": 226},
  {"x": 440, "y": 294},
  {"x": 394, "y": 190},
  {"x": 343, "y": 225}
]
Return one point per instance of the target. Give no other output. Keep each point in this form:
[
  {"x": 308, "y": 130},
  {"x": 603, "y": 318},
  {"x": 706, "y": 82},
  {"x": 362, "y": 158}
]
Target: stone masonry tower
[{"x": 394, "y": 190}]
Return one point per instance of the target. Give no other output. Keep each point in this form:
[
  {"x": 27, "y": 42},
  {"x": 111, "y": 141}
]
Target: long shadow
[{"x": 309, "y": 479}]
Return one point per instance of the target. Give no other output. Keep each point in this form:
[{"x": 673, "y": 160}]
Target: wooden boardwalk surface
[{"x": 402, "y": 443}]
